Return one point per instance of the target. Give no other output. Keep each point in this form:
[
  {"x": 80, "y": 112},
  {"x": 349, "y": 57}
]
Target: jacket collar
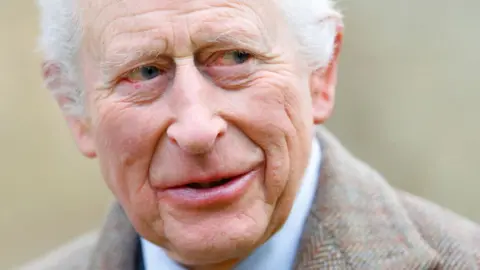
[
  {"x": 356, "y": 222},
  {"x": 117, "y": 247}
]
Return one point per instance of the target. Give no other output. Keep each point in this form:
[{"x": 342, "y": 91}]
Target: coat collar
[
  {"x": 117, "y": 246},
  {"x": 356, "y": 222}
]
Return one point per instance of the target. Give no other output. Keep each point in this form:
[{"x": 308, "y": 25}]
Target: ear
[
  {"x": 323, "y": 82},
  {"x": 55, "y": 80},
  {"x": 81, "y": 131}
]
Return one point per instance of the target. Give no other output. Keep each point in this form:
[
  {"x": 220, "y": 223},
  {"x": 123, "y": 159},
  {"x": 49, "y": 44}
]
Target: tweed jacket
[{"x": 357, "y": 221}]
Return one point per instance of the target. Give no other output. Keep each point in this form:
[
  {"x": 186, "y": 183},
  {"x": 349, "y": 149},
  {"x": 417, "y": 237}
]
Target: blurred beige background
[{"x": 407, "y": 104}]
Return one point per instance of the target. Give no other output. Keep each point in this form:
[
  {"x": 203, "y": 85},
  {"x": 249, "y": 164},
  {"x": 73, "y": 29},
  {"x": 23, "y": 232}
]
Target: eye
[
  {"x": 231, "y": 58},
  {"x": 144, "y": 73}
]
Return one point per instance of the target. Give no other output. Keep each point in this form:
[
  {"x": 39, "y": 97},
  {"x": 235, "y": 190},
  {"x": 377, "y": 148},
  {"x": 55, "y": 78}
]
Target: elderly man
[{"x": 204, "y": 117}]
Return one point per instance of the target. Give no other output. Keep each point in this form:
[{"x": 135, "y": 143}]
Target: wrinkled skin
[{"x": 202, "y": 107}]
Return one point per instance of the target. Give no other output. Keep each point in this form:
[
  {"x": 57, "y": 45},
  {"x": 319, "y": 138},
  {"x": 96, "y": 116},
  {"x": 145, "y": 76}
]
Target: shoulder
[
  {"x": 73, "y": 256},
  {"x": 455, "y": 238}
]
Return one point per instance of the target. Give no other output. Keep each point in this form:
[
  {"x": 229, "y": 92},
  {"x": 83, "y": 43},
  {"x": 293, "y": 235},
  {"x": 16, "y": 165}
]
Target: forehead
[
  {"x": 177, "y": 22},
  {"x": 95, "y": 8}
]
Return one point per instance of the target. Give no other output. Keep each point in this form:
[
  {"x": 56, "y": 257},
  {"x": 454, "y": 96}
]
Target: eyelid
[
  {"x": 211, "y": 57},
  {"x": 159, "y": 61},
  {"x": 114, "y": 75},
  {"x": 162, "y": 69},
  {"x": 137, "y": 68},
  {"x": 213, "y": 53}
]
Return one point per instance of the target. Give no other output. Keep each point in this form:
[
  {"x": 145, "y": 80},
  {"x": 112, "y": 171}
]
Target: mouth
[
  {"x": 209, "y": 184},
  {"x": 211, "y": 191}
]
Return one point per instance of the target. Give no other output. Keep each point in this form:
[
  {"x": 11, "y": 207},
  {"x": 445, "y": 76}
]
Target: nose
[
  {"x": 197, "y": 131},
  {"x": 196, "y": 127}
]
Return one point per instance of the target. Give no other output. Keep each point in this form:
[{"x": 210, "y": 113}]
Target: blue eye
[
  {"x": 144, "y": 73},
  {"x": 240, "y": 57},
  {"x": 231, "y": 58}
]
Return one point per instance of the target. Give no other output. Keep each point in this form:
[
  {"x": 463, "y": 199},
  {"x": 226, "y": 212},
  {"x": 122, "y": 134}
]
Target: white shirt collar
[{"x": 280, "y": 251}]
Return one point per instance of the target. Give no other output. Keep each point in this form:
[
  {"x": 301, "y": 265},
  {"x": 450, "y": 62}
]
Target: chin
[
  {"x": 212, "y": 253},
  {"x": 217, "y": 239},
  {"x": 215, "y": 249}
]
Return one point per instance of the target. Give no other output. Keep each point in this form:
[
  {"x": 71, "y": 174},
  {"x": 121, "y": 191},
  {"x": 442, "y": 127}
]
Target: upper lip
[{"x": 206, "y": 178}]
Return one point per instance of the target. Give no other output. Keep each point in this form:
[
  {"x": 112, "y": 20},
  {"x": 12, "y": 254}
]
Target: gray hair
[{"x": 313, "y": 22}]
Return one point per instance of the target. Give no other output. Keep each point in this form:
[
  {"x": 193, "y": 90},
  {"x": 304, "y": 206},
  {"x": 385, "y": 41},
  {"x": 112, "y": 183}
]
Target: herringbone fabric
[{"x": 357, "y": 222}]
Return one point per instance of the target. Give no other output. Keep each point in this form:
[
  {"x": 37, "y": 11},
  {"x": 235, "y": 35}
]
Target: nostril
[
  {"x": 221, "y": 133},
  {"x": 221, "y": 127},
  {"x": 173, "y": 140},
  {"x": 171, "y": 134}
]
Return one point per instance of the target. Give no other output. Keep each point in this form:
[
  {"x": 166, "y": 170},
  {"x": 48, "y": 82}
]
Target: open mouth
[
  {"x": 206, "y": 191},
  {"x": 210, "y": 184}
]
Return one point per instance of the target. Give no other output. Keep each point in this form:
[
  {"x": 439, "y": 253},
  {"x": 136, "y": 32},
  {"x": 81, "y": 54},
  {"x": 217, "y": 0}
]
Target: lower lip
[{"x": 220, "y": 195}]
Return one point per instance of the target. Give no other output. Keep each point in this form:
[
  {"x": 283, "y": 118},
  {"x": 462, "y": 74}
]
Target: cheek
[
  {"x": 282, "y": 96},
  {"x": 126, "y": 133},
  {"x": 125, "y": 139},
  {"x": 270, "y": 114},
  {"x": 288, "y": 143},
  {"x": 277, "y": 105},
  {"x": 121, "y": 136}
]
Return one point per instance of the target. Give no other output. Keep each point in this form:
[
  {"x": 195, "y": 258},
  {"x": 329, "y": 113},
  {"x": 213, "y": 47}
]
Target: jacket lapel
[
  {"x": 118, "y": 245},
  {"x": 357, "y": 221}
]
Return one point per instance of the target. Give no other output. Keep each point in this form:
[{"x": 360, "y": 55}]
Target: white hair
[{"x": 313, "y": 22}]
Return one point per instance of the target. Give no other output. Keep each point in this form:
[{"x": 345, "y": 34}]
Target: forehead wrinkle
[
  {"x": 157, "y": 37},
  {"x": 242, "y": 33},
  {"x": 99, "y": 6},
  {"x": 216, "y": 34},
  {"x": 99, "y": 15},
  {"x": 221, "y": 27},
  {"x": 125, "y": 19},
  {"x": 134, "y": 16},
  {"x": 97, "y": 19}
]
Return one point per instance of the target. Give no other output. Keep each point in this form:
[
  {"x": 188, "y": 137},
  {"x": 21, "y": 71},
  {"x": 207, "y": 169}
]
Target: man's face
[{"x": 201, "y": 116}]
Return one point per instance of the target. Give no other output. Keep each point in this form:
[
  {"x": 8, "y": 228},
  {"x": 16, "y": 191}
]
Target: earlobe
[
  {"x": 323, "y": 82},
  {"x": 83, "y": 138},
  {"x": 322, "y": 98}
]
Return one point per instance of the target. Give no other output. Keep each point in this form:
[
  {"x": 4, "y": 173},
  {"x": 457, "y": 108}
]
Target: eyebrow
[
  {"x": 235, "y": 38},
  {"x": 126, "y": 56}
]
